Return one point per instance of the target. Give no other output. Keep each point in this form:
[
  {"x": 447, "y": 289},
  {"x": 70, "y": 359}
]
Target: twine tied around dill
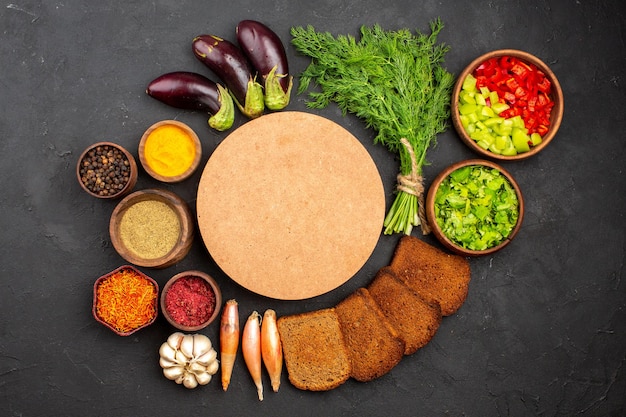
[{"x": 413, "y": 184}]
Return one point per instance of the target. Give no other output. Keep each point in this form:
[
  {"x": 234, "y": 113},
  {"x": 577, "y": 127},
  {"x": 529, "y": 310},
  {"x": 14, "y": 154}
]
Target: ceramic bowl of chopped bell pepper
[
  {"x": 125, "y": 300},
  {"x": 475, "y": 207},
  {"x": 507, "y": 105}
]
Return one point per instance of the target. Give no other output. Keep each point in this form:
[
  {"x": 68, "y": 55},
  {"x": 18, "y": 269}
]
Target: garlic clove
[
  {"x": 181, "y": 378},
  {"x": 201, "y": 344},
  {"x": 181, "y": 358},
  {"x": 166, "y": 363},
  {"x": 212, "y": 367},
  {"x": 174, "y": 340},
  {"x": 196, "y": 368},
  {"x": 167, "y": 352},
  {"x": 206, "y": 358},
  {"x": 190, "y": 381},
  {"x": 174, "y": 373},
  {"x": 186, "y": 345},
  {"x": 203, "y": 378}
]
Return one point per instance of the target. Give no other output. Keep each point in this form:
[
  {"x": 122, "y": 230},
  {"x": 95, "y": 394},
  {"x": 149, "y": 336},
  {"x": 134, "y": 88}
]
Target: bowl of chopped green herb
[{"x": 474, "y": 207}]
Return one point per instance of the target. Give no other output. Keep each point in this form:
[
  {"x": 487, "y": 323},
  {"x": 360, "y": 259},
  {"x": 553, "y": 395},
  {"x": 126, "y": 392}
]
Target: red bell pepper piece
[
  {"x": 542, "y": 100},
  {"x": 523, "y": 86},
  {"x": 508, "y": 96},
  {"x": 511, "y": 84},
  {"x": 544, "y": 84},
  {"x": 538, "y": 129},
  {"x": 520, "y": 92},
  {"x": 532, "y": 103},
  {"x": 506, "y": 61}
]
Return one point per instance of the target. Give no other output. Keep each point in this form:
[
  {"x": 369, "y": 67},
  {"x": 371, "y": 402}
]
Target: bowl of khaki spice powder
[
  {"x": 106, "y": 170},
  {"x": 170, "y": 151},
  {"x": 152, "y": 228}
]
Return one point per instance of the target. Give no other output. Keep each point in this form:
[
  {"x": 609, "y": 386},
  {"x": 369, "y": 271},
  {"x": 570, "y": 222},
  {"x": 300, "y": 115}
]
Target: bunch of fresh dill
[{"x": 395, "y": 82}]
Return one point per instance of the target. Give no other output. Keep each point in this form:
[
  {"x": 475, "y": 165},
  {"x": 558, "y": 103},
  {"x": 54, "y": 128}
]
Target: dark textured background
[{"x": 542, "y": 331}]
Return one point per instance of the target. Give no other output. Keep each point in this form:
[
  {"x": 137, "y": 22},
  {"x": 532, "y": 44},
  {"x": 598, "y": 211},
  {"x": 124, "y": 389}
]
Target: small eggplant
[
  {"x": 227, "y": 61},
  {"x": 267, "y": 54},
  {"x": 191, "y": 91}
]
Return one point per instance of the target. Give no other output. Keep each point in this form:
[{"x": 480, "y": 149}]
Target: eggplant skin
[
  {"x": 263, "y": 47},
  {"x": 228, "y": 62},
  {"x": 192, "y": 91},
  {"x": 186, "y": 90}
]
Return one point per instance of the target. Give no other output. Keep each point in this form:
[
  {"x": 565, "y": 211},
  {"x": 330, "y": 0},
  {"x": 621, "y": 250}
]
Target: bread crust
[
  {"x": 315, "y": 355},
  {"x": 415, "y": 319},
  {"x": 373, "y": 344},
  {"x": 437, "y": 276}
]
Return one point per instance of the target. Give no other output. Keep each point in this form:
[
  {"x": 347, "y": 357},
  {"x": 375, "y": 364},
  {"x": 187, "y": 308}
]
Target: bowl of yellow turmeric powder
[
  {"x": 125, "y": 300},
  {"x": 170, "y": 151}
]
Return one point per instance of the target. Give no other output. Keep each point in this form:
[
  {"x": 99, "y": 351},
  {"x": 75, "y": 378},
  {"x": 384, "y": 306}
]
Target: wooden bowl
[
  {"x": 113, "y": 175},
  {"x": 151, "y": 304},
  {"x": 556, "y": 114},
  {"x": 431, "y": 210},
  {"x": 169, "y": 155},
  {"x": 152, "y": 228},
  {"x": 212, "y": 309}
]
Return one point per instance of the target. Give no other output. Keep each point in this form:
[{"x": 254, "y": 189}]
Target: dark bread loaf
[
  {"x": 315, "y": 355},
  {"x": 374, "y": 346},
  {"x": 415, "y": 319},
  {"x": 437, "y": 276}
]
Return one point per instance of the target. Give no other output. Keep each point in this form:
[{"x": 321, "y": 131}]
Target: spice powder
[
  {"x": 169, "y": 151},
  {"x": 190, "y": 301},
  {"x": 150, "y": 229}
]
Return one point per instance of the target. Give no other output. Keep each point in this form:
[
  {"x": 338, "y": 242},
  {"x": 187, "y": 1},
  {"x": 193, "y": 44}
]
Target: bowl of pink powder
[{"x": 191, "y": 300}]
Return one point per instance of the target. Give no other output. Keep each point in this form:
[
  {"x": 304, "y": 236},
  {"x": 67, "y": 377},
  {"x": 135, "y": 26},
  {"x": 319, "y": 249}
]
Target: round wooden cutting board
[{"x": 290, "y": 205}]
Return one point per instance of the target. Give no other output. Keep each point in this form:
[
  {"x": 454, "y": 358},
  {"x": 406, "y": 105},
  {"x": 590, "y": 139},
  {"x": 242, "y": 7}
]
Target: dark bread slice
[
  {"x": 374, "y": 346},
  {"x": 315, "y": 355},
  {"x": 435, "y": 275},
  {"x": 414, "y": 318}
]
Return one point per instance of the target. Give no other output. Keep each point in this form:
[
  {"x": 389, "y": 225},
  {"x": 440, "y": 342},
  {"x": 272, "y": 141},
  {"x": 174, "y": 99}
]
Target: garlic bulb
[{"x": 188, "y": 359}]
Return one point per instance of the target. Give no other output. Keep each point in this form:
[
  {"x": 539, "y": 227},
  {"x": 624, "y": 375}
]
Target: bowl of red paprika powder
[
  {"x": 507, "y": 105},
  {"x": 191, "y": 300}
]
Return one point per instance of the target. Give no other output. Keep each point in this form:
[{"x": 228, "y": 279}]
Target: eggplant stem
[
  {"x": 225, "y": 116},
  {"x": 255, "y": 104},
  {"x": 275, "y": 97}
]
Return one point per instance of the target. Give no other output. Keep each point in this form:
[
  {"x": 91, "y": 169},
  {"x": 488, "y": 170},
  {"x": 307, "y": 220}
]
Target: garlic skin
[
  {"x": 207, "y": 358},
  {"x": 188, "y": 359}
]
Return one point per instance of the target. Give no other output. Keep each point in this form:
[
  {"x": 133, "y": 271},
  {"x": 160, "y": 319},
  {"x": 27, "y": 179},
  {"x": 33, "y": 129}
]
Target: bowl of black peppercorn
[{"x": 106, "y": 170}]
